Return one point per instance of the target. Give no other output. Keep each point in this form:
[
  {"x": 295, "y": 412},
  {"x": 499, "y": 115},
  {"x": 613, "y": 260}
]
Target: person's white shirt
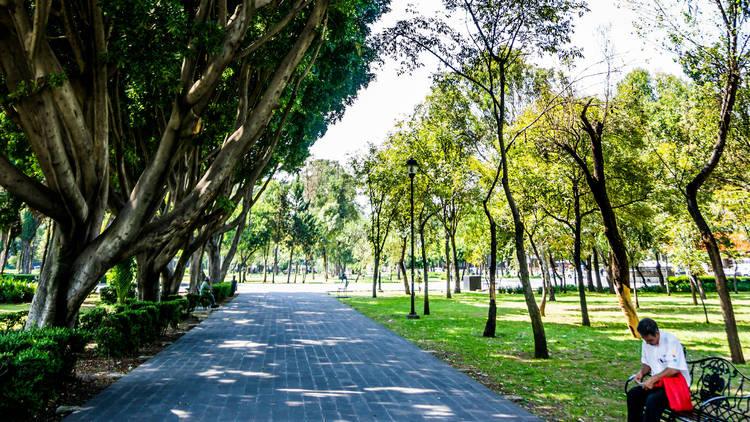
[{"x": 667, "y": 354}]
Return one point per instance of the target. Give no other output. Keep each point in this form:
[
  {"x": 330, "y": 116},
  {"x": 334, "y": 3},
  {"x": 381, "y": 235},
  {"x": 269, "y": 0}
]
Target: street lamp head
[{"x": 412, "y": 166}]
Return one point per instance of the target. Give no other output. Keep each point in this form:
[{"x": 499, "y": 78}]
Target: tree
[
  {"x": 562, "y": 195},
  {"x": 718, "y": 60},
  {"x": 498, "y": 33},
  {"x": 279, "y": 221},
  {"x": 256, "y": 235},
  {"x": 29, "y": 225},
  {"x": 331, "y": 191},
  {"x": 446, "y": 135},
  {"x": 376, "y": 180},
  {"x": 260, "y": 54},
  {"x": 10, "y": 224},
  {"x": 615, "y": 183}
]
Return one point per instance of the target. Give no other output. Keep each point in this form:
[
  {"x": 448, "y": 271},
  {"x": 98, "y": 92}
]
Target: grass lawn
[
  {"x": 14, "y": 307},
  {"x": 584, "y": 378}
]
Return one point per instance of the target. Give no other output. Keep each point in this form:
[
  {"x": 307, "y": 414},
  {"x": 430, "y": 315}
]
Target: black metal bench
[{"x": 720, "y": 393}]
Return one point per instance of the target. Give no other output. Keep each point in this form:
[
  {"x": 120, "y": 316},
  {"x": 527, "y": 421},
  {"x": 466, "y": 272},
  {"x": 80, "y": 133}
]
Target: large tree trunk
[
  {"x": 50, "y": 305},
  {"x": 148, "y": 277},
  {"x": 447, "y": 266},
  {"x": 196, "y": 270},
  {"x": 214, "y": 259}
]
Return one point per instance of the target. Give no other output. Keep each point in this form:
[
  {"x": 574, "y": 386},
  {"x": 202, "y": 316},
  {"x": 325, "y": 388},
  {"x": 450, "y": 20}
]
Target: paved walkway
[{"x": 291, "y": 356}]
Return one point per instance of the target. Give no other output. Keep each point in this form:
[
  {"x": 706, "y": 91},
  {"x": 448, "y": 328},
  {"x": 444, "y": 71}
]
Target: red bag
[{"x": 678, "y": 393}]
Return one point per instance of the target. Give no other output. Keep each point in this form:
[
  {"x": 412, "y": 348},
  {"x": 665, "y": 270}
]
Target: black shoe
[{"x": 214, "y": 306}]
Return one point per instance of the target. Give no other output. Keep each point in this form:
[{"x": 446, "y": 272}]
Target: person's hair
[{"x": 647, "y": 327}]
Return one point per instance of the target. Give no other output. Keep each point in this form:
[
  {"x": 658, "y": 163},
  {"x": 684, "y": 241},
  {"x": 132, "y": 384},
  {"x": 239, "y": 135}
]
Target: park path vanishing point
[{"x": 295, "y": 356}]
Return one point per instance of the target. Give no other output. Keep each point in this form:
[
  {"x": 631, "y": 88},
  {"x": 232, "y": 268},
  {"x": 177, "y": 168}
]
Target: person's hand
[
  {"x": 638, "y": 377},
  {"x": 649, "y": 384}
]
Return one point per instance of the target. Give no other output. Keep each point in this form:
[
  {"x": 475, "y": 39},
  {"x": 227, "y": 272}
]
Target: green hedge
[
  {"x": 16, "y": 291},
  {"x": 133, "y": 325},
  {"x": 221, "y": 290},
  {"x": 32, "y": 365},
  {"x": 193, "y": 300},
  {"x": 681, "y": 284}
]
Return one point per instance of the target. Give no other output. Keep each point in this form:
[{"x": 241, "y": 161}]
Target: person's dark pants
[
  {"x": 209, "y": 295},
  {"x": 654, "y": 401}
]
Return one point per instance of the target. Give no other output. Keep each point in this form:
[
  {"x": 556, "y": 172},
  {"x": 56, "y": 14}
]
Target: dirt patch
[{"x": 93, "y": 373}]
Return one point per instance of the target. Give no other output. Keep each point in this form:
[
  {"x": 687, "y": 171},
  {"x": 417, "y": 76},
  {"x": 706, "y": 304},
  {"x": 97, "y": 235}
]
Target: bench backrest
[{"x": 714, "y": 377}]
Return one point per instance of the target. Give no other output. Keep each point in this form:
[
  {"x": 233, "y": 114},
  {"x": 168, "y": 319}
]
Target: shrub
[
  {"x": 119, "y": 333},
  {"x": 681, "y": 284},
  {"x": 135, "y": 324},
  {"x": 170, "y": 312},
  {"x": 108, "y": 295},
  {"x": 12, "y": 320},
  {"x": 221, "y": 291},
  {"x": 16, "y": 291},
  {"x": 92, "y": 319},
  {"x": 120, "y": 278},
  {"x": 32, "y": 365},
  {"x": 193, "y": 300}
]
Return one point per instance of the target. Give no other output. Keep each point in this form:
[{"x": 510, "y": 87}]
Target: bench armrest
[
  {"x": 719, "y": 398},
  {"x": 632, "y": 377},
  {"x": 730, "y": 411}
]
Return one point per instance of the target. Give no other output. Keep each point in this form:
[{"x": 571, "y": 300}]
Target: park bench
[{"x": 720, "y": 393}]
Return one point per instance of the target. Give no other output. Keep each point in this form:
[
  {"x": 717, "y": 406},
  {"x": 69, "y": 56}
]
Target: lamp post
[{"x": 411, "y": 167}]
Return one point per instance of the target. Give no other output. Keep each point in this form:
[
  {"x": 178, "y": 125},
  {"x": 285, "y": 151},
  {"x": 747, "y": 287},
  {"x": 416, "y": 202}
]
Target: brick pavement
[{"x": 288, "y": 356}]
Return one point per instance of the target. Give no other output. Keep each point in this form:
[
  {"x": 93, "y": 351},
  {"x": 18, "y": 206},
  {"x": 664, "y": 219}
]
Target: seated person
[
  {"x": 206, "y": 292},
  {"x": 662, "y": 356}
]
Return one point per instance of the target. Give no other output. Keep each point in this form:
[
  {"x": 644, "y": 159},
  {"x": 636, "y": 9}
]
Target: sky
[{"x": 392, "y": 97}]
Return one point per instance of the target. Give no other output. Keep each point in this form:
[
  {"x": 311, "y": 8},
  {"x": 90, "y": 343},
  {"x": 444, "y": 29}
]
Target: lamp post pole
[{"x": 412, "y": 165}]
